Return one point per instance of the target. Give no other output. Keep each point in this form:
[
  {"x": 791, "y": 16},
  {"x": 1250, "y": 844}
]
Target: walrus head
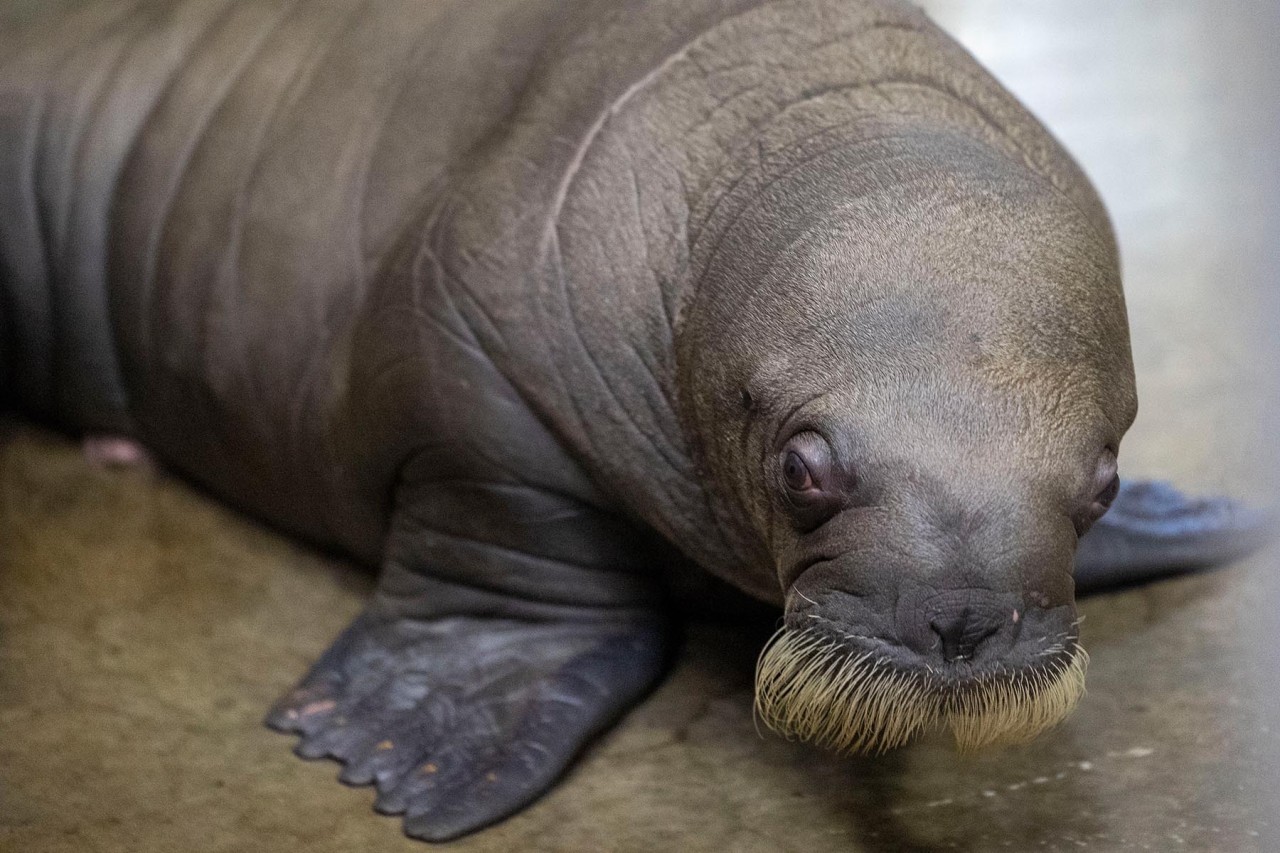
[{"x": 909, "y": 372}]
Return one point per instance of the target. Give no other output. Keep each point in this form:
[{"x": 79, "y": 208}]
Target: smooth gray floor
[{"x": 144, "y": 629}]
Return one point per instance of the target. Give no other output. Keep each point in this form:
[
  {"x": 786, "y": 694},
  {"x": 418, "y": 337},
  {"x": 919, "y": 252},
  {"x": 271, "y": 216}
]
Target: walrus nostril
[{"x": 960, "y": 633}]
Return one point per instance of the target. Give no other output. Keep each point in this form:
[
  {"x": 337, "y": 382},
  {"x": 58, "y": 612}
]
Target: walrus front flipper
[
  {"x": 1153, "y": 530},
  {"x": 461, "y": 721}
]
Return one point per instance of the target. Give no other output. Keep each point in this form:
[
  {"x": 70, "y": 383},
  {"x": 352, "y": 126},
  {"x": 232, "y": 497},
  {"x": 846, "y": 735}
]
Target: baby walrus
[{"x": 510, "y": 297}]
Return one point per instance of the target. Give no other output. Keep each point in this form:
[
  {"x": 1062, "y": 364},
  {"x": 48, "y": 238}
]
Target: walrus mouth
[{"x": 812, "y": 687}]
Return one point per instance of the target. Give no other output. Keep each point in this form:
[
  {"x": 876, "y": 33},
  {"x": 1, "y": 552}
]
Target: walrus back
[
  {"x": 197, "y": 198},
  {"x": 202, "y": 200},
  {"x": 160, "y": 163}
]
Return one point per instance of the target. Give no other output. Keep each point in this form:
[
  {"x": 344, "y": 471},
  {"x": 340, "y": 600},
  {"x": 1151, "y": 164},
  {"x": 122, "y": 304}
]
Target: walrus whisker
[{"x": 810, "y": 687}]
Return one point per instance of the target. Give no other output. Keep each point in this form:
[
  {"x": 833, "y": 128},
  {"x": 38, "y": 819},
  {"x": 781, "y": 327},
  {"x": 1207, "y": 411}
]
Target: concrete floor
[{"x": 144, "y": 628}]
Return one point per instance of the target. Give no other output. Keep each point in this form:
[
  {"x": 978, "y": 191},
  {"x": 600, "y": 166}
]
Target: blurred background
[{"x": 144, "y": 629}]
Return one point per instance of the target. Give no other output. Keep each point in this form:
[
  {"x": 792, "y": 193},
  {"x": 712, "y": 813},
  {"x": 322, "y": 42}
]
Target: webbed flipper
[{"x": 460, "y": 720}]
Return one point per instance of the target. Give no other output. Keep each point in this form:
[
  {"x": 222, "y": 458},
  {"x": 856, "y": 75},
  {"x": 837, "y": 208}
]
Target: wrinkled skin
[
  {"x": 533, "y": 302},
  {"x": 957, "y": 398}
]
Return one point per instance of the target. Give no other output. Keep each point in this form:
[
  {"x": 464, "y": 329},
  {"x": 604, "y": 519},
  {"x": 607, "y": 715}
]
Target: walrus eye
[
  {"x": 1103, "y": 501},
  {"x": 806, "y": 466},
  {"x": 1104, "y": 497},
  {"x": 796, "y": 473},
  {"x": 812, "y": 486}
]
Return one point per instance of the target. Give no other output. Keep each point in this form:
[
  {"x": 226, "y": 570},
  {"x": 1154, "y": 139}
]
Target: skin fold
[{"x": 535, "y": 304}]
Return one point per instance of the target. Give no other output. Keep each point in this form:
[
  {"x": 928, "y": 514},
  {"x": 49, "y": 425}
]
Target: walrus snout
[
  {"x": 957, "y": 624},
  {"x": 980, "y": 630},
  {"x": 862, "y": 664},
  {"x": 860, "y": 693},
  {"x": 954, "y": 635}
]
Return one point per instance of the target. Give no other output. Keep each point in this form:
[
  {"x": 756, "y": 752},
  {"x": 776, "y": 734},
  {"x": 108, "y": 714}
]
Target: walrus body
[{"x": 528, "y": 301}]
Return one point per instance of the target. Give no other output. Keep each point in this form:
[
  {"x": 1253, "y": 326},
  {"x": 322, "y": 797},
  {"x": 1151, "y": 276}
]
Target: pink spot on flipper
[
  {"x": 115, "y": 451},
  {"x": 318, "y": 707}
]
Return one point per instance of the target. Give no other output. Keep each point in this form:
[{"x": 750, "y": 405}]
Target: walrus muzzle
[{"x": 813, "y": 687}]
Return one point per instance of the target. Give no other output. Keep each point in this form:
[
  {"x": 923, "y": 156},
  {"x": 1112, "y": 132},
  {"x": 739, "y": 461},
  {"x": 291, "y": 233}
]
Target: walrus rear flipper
[
  {"x": 462, "y": 720},
  {"x": 1153, "y": 530}
]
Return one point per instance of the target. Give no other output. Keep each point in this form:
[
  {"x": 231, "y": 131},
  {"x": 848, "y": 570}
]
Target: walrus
[{"x": 537, "y": 304}]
